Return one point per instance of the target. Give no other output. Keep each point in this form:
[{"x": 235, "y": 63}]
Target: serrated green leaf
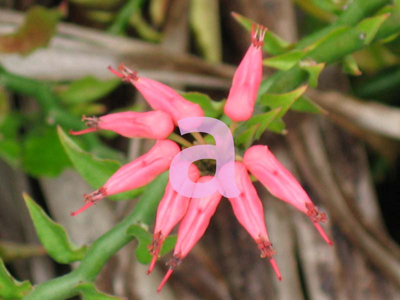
[
  {"x": 246, "y": 137},
  {"x": 11, "y": 289},
  {"x": 211, "y": 108},
  {"x": 283, "y": 101},
  {"x": 36, "y": 32},
  {"x": 87, "y": 89},
  {"x": 370, "y": 26},
  {"x": 42, "y": 153},
  {"x": 284, "y": 61},
  {"x": 263, "y": 121},
  {"x": 313, "y": 69},
  {"x": 350, "y": 66},
  {"x": 89, "y": 292},
  {"x": 144, "y": 239},
  {"x": 53, "y": 236},
  {"x": 305, "y": 104},
  {"x": 94, "y": 170},
  {"x": 273, "y": 44}
]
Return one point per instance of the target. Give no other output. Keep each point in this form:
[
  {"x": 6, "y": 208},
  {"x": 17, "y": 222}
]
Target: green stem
[{"x": 177, "y": 138}]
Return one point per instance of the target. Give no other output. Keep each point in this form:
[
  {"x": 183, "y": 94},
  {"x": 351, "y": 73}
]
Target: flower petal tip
[
  {"x": 83, "y": 208},
  {"x": 152, "y": 264},
  {"x": 276, "y": 269},
  {"x": 323, "y": 233},
  {"x": 72, "y": 132},
  {"x": 165, "y": 279}
]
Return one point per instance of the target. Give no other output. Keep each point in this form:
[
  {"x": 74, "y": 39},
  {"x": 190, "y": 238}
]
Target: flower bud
[
  {"x": 282, "y": 184},
  {"x": 249, "y": 211},
  {"x": 152, "y": 124},
  {"x": 192, "y": 227},
  {"x": 246, "y": 80},
  {"x": 136, "y": 174},
  {"x": 171, "y": 210},
  {"x": 160, "y": 96}
]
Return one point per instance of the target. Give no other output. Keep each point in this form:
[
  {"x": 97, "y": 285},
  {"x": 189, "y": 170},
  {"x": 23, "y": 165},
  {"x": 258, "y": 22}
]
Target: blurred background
[{"x": 346, "y": 158}]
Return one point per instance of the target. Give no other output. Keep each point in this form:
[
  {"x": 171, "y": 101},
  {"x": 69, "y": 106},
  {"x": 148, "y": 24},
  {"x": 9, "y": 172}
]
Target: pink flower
[
  {"x": 281, "y": 183},
  {"x": 192, "y": 227},
  {"x": 249, "y": 211},
  {"x": 137, "y": 173},
  {"x": 246, "y": 80},
  {"x": 160, "y": 96},
  {"x": 151, "y": 124},
  {"x": 171, "y": 210}
]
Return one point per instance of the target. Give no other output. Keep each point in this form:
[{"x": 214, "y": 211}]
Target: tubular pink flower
[
  {"x": 138, "y": 173},
  {"x": 249, "y": 211},
  {"x": 192, "y": 227},
  {"x": 159, "y": 96},
  {"x": 282, "y": 184},
  {"x": 171, "y": 210},
  {"x": 246, "y": 80},
  {"x": 152, "y": 124}
]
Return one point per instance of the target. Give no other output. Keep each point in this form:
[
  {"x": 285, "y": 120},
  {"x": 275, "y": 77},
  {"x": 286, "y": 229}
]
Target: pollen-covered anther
[
  {"x": 155, "y": 246},
  {"x": 314, "y": 214},
  {"x": 265, "y": 247},
  {"x": 257, "y": 35},
  {"x": 91, "y": 122},
  {"x": 96, "y": 195}
]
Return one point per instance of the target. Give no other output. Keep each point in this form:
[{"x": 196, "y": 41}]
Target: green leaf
[
  {"x": 10, "y": 146},
  {"x": 283, "y": 101},
  {"x": 369, "y": 27},
  {"x": 89, "y": 292},
  {"x": 205, "y": 22},
  {"x": 246, "y": 137},
  {"x": 53, "y": 236},
  {"x": 36, "y": 32},
  {"x": 211, "y": 108},
  {"x": 11, "y": 289},
  {"x": 277, "y": 126},
  {"x": 313, "y": 69},
  {"x": 263, "y": 121},
  {"x": 94, "y": 170},
  {"x": 273, "y": 44},
  {"x": 144, "y": 239},
  {"x": 284, "y": 61},
  {"x": 350, "y": 66},
  {"x": 143, "y": 29},
  {"x": 87, "y": 89},
  {"x": 305, "y": 104},
  {"x": 158, "y": 11},
  {"x": 330, "y": 36},
  {"x": 42, "y": 153}
]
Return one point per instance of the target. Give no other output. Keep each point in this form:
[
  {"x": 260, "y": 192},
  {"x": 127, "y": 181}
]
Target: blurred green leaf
[
  {"x": 211, "y": 108},
  {"x": 313, "y": 69},
  {"x": 118, "y": 27},
  {"x": 42, "y": 153},
  {"x": 98, "y": 4},
  {"x": 53, "y": 236},
  {"x": 273, "y": 44},
  {"x": 284, "y": 61},
  {"x": 144, "y": 239},
  {"x": 11, "y": 289},
  {"x": 36, "y": 32},
  {"x": 158, "y": 11},
  {"x": 4, "y": 104},
  {"x": 87, "y": 89},
  {"x": 369, "y": 27},
  {"x": 145, "y": 31},
  {"x": 350, "y": 66},
  {"x": 89, "y": 292},
  {"x": 315, "y": 10},
  {"x": 10, "y": 147},
  {"x": 305, "y": 104},
  {"x": 204, "y": 19},
  {"x": 262, "y": 121},
  {"x": 246, "y": 137},
  {"x": 277, "y": 126},
  {"x": 94, "y": 170}
]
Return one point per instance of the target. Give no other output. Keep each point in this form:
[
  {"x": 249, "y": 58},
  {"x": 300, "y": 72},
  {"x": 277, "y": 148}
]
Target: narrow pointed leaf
[
  {"x": 53, "y": 236},
  {"x": 36, "y": 32},
  {"x": 369, "y": 27},
  {"x": 313, "y": 69},
  {"x": 246, "y": 137},
  {"x": 11, "y": 289},
  {"x": 277, "y": 126},
  {"x": 87, "y": 89},
  {"x": 263, "y": 120},
  {"x": 144, "y": 239},
  {"x": 273, "y": 44},
  {"x": 284, "y": 61},
  {"x": 350, "y": 66},
  {"x": 94, "y": 170},
  {"x": 211, "y": 108},
  {"x": 89, "y": 292},
  {"x": 305, "y": 104}
]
